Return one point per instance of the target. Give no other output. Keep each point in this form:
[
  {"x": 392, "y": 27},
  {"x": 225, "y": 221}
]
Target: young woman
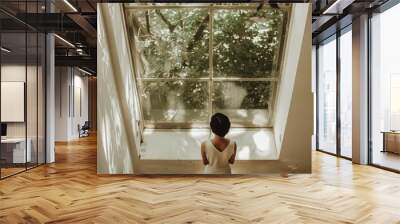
[{"x": 218, "y": 152}]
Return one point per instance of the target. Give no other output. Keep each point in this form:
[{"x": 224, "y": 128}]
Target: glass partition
[
  {"x": 31, "y": 97},
  {"x": 327, "y": 96},
  {"x": 14, "y": 144},
  {"x": 22, "y": 66},
  {"x": 194, "y": 61}
]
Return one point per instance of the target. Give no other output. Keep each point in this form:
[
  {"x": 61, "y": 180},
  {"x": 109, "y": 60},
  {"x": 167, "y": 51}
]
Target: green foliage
[
  {"x": 226, "y": 94},
  {"x": 174, "y": 43},
  {"x": 246, "y": 42},
  {"x": 165, "y": 38},
  {"x": 192, "y": 94}
]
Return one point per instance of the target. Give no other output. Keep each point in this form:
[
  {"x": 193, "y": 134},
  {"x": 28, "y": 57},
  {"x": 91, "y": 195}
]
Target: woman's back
[
  {"x": 218, "y": 159},
  {"x": 219, "y": 152}
]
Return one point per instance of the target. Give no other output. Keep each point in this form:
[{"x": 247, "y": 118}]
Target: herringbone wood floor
[{"x": 69, "y": 191}]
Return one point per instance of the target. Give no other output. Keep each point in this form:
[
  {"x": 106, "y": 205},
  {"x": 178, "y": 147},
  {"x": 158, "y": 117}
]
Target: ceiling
[
  {"x": 76, "y": 22},
  {"x": 332, "y": 15}
]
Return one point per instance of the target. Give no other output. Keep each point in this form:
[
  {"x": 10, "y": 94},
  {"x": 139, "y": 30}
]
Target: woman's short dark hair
[{"x": 220, "y": 124}]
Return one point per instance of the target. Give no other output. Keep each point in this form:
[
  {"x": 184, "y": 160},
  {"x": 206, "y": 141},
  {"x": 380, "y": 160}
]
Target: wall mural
[{"x": 195, "y": 88}]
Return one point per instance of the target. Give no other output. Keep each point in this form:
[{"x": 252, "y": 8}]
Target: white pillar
[
  {"x": 314, "y": 92},
  {"x": 50, "y": 105},
  {"x": 360, "y": 90}
]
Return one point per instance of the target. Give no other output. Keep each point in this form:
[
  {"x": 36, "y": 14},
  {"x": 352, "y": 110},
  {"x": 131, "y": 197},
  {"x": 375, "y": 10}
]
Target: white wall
[
  {"x": 14, "y": 73},
  {"x": 17, "y": 73},
  {"x": 11, "y": 73},
  {"x": 80, "y": 103},
  {"x": 293, "y": 124},
  {"x": 13, "y": 100},
  {"x": 33, "y": 126},
  {"x": 69, "y": 81},
  {"x": 61, "y": 103},
  {"x": 117, "y": 141}
]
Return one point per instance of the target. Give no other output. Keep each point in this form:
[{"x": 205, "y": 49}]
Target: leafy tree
[
  {"x": 174, "y": 43},
  {"x": 246, "y": 42}
]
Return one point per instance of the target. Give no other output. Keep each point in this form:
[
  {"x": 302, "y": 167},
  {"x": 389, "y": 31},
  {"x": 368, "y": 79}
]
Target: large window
[
  {"x": 193, "y": 61},
  {"x": 346, "y": 93},
  {"x": 385, "y": 89},
  {"x": 327, "y": 95},
  {"x": 334, "y": 100}
]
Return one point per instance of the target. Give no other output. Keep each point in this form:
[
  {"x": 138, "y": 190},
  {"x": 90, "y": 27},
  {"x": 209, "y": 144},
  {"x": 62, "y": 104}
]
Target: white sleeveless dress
[{"x": 218, "y": 161}]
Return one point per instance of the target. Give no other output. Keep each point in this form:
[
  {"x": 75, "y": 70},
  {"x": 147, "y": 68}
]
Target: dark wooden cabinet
[{"x": 391, "y": 142}]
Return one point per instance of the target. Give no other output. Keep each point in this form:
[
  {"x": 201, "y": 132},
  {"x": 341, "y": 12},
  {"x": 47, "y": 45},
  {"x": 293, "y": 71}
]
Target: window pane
[
  {"x": 244, "y": 102},
  {"x": 394, "y": 102},
  {"x": 15, "y": 155},
  {"x": 175, "y": 101},
  {"x": 31, "y": 100},
  {"x": 385, "y": 88},
  {"x": 346, "y": 94},
  {"x": 327, "y": 96},
  {"x": 247, "y": 42},
  {"x": 171, "y": 42}
]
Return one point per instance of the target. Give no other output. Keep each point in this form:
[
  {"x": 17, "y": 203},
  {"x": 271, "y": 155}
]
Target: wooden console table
[{"x": 391, "y": 141}]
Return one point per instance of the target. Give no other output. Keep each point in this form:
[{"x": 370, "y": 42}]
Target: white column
[
  {"x": 50, "y": 99},
  {"x": 360, "y": 90},
  {"x": 314, "y": 91}
]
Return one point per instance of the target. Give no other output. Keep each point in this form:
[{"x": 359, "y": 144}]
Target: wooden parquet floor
[{"x": 69, "y": 191}]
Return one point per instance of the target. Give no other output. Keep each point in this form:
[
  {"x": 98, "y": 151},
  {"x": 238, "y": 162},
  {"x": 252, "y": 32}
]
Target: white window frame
[{"x": 274, "y": 79}]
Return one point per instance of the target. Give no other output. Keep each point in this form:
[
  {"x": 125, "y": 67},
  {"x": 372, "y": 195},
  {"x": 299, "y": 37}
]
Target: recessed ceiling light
[
  {"x": 5, "y": 50},
  {"x": 64, "y": 40},
  {"x": 84, "y": 71},
  {"x": 70, "y": 5},
  {"x": 337, "y": 7}
]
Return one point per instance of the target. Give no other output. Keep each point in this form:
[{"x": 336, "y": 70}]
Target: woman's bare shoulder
[{"x": 231, "y": 141}]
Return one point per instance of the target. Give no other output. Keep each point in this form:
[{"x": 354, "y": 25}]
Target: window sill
[{"x": 184, "y": 144}]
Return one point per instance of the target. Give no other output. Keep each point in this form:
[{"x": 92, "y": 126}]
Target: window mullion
[
  {"x": 271, "y": 101},
  {"x": 210, "y": 61},
  {"x": 172, "y": 79},
  {"x": 269, "y": 79}
]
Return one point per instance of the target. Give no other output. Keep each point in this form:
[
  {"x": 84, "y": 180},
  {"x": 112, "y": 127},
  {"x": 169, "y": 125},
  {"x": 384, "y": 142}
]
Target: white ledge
[{"x": 174, "y": 144}]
